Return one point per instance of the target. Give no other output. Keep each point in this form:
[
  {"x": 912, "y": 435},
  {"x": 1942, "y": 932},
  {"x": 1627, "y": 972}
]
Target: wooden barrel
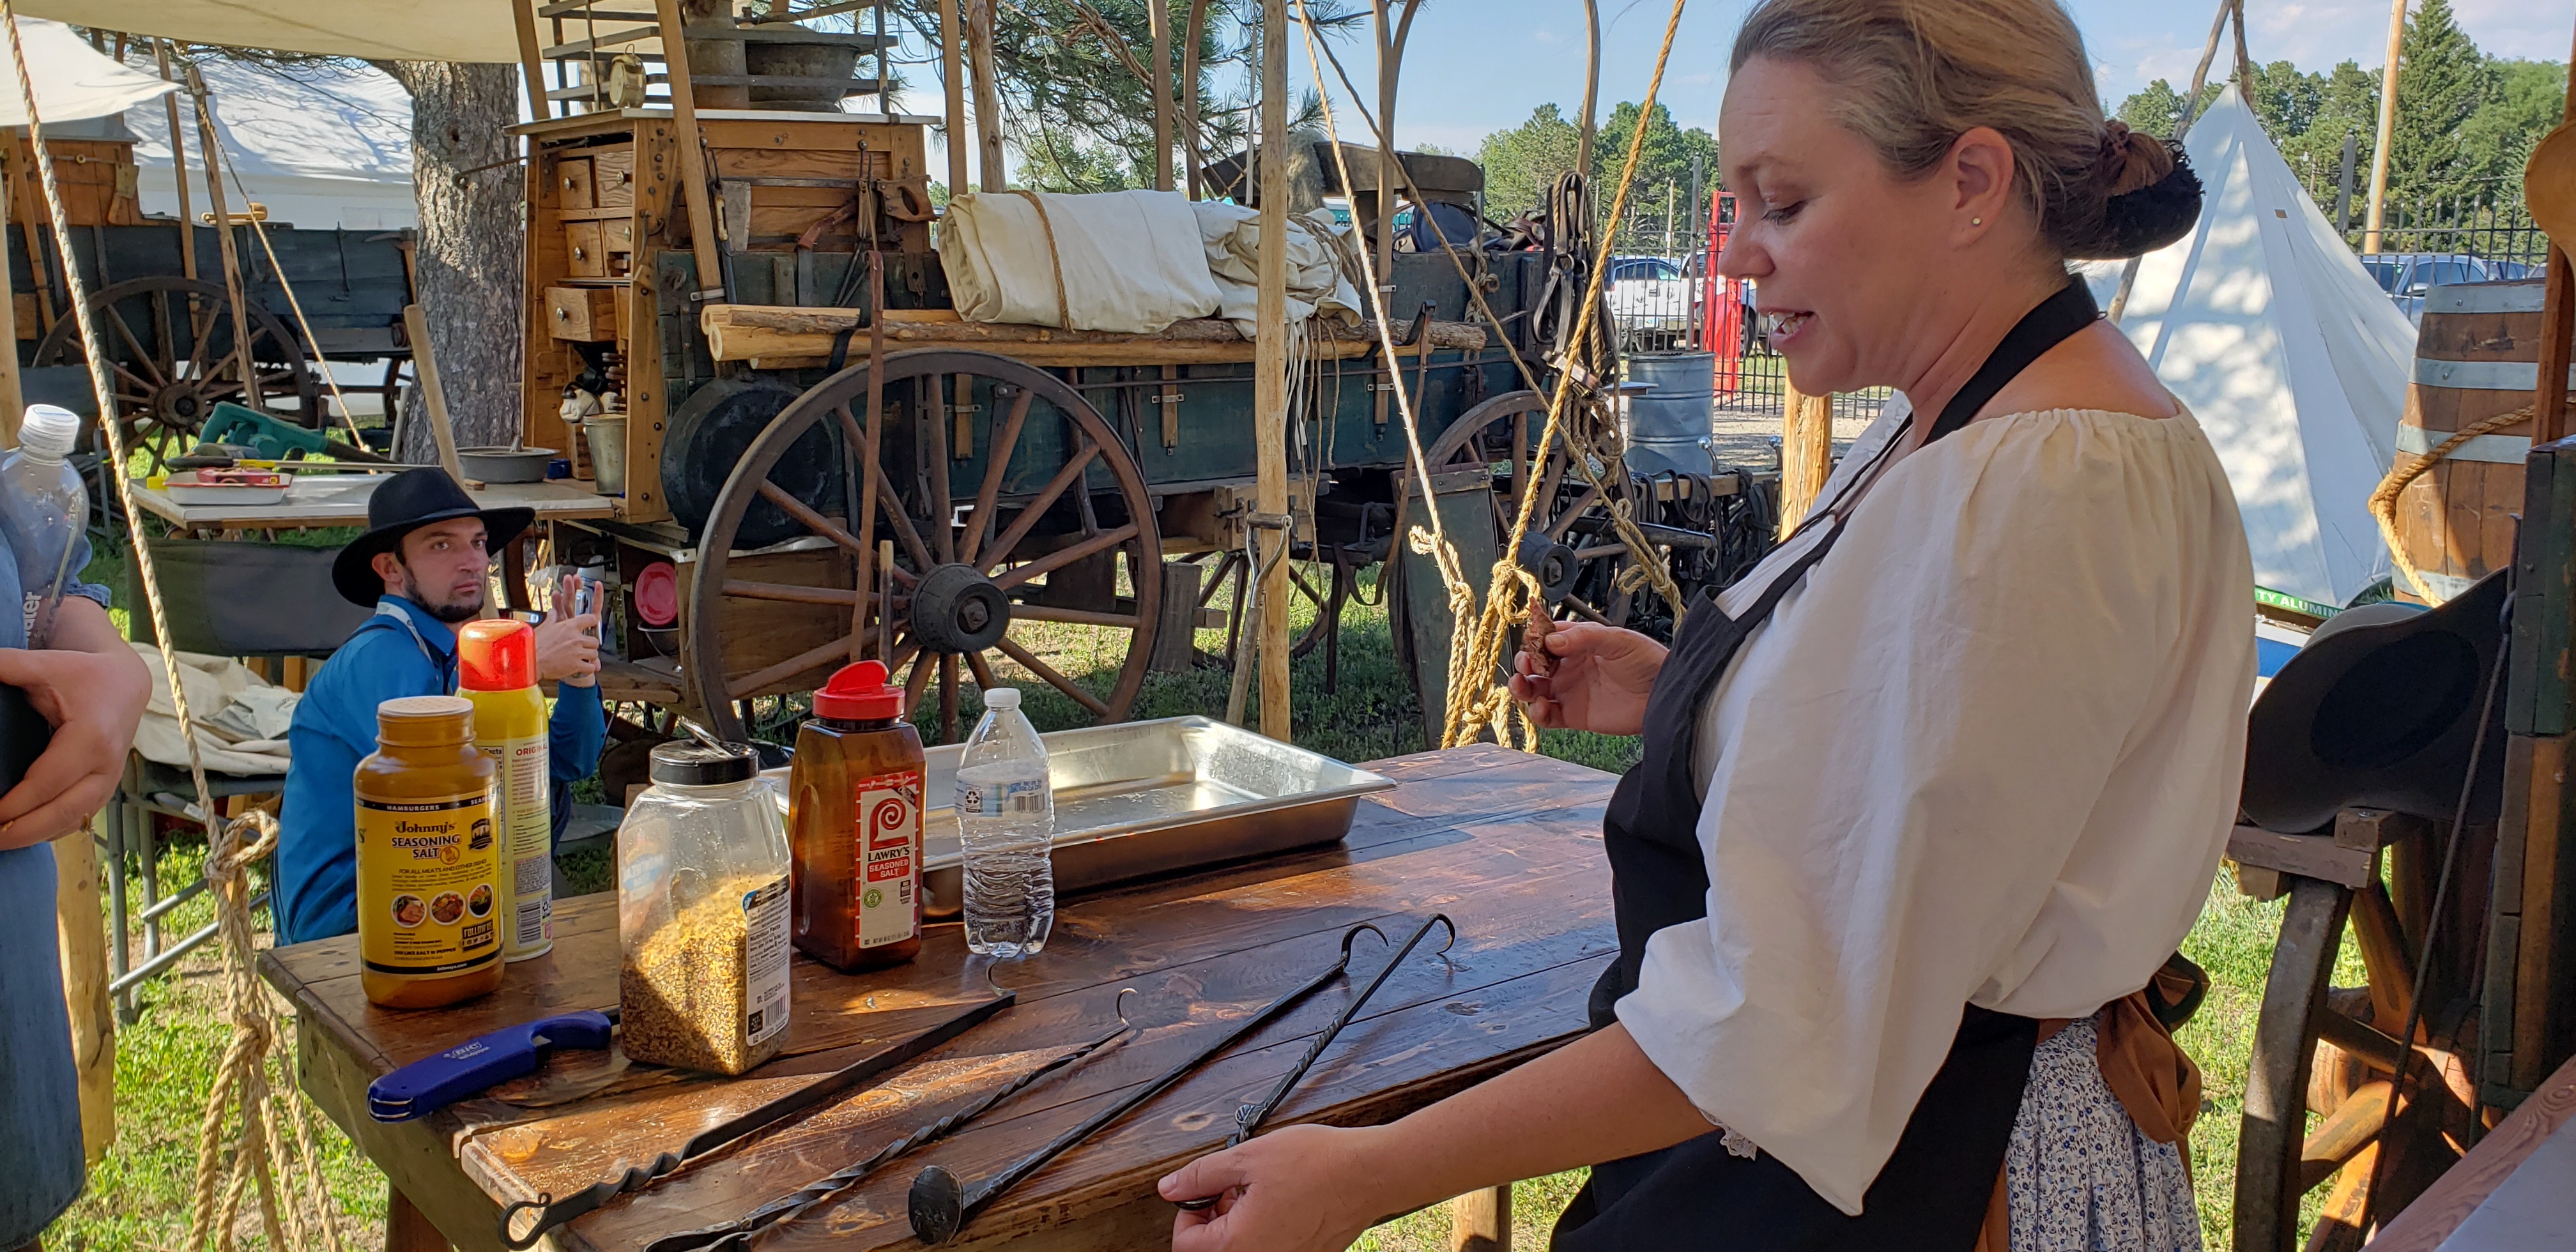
[{"x": 2477, "y": 355}]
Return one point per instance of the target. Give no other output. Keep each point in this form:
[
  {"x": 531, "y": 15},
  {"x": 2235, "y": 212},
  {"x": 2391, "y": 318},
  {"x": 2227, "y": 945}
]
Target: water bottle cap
[
  {"x": 496, "y": 655},
  {"x": 1002, "y": 699},
  {"x": 48, "y": 431},
  {"x": 858, "y": 693}
]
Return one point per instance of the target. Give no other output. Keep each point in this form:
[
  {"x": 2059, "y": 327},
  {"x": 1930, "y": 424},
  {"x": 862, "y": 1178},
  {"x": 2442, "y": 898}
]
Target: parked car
[
  {"x": 2409, "y": 276},
  {"x": 1650, "y": 301}
]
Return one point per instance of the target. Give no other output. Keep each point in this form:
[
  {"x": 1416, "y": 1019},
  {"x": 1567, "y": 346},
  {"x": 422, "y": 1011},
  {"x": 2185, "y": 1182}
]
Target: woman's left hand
[{"x": 1295, "y": 1189}]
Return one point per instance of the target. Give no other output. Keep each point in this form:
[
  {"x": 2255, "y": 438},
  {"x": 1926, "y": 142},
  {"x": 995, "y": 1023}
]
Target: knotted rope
[
  {"x": 2383, "y": 499},
  {"x": 1476, "y": 702},
  {"x": 290, "y": 1219}
]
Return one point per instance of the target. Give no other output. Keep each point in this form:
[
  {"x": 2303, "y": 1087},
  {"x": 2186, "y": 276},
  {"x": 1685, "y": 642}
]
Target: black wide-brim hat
[
  {"x": 406, "y": 502},
  {"x": 2381, "y": 710}
]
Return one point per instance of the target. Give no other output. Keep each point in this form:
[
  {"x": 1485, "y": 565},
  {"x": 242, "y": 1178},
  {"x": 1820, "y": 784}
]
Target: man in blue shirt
[
  {"x": 423, "y": 563},
  {"x": 92, "y": 688}
]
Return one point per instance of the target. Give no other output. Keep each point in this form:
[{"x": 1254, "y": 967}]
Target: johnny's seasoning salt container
[
  {"x": 497, "y": 670},
  {"x": 429, "y": 856},
  {"x": 702, "y": 923},
  {"x": 854, "y": 801}
]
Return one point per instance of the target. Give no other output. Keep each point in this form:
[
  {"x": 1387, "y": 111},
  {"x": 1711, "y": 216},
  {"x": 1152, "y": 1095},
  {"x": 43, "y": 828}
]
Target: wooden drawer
[
  {"x": 585, "y": 314},
  {"x": 613, "y": 178},
  {"x": 574, "y": 180},
  {"x": 585, "y": 250},
  {"x": 617, "y": 239}
]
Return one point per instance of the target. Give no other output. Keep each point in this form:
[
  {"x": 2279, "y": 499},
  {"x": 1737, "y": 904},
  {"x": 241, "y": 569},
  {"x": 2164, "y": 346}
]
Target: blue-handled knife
[{"x": 425, "y": 1086}]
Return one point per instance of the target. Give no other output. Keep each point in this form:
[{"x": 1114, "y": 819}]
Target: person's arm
[
  {"x": 1316, "y": 1187},
  {"x": 92, "y": 687},
  {"x": 567, "y": 645},
  {"x": 576, "y": 733}
]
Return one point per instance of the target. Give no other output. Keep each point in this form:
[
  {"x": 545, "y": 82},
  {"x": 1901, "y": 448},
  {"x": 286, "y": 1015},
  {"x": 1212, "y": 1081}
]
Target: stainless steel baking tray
[{"x": 1145, "y": 798}]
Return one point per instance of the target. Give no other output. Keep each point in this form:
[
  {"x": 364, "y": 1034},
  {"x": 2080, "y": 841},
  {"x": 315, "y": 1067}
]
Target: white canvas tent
[
  {"x": 321, "y": 148},
  {"x": 2263, "y": 321},
  {"x": 380, "y": 30},
  {"x": 74, "y": 82}
]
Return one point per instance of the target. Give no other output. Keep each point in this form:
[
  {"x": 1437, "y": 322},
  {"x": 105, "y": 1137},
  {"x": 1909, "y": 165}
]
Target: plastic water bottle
[
  {"x": 1006, "y": 820},
  {"x": 43, "y": 510}
]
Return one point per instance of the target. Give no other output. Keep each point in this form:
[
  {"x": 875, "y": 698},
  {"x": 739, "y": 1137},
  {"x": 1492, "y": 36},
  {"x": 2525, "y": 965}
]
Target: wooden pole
[
  {"x": 1190, "y": 36},
  {"x": 1481, "y": 1221},
  {"x": 207, "y": 143},
  {"x": 179, "y": 173},
  {"x": 531, "y": 62},
  {"x": 2182, "y": 126},
  {"x": 2557, "y": 326},
  {"x": 424, "y": 369},
  {"x": 952, "y": 66},
  {"x": 1591, "y": 84},
  {"x": 1390, "y": 175},
  {"x": 1270, "y": 368},
  {"x": 1806, "y": 451},
  {"x": 2387, "y": 129},
  {"x": 80, "y": 921},
  {"x": 1159, "y": 13},
  {"x": 988, "y": 94},
  {"x": 693, "y": 156}
]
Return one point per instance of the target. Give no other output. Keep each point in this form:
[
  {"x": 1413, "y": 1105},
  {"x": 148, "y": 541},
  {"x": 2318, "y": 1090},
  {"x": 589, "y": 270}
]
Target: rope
[
  {"x": 1476, "y": 702},
  {"x": 2383, "y": 500},
  {"x": 258, "y": 1147}
]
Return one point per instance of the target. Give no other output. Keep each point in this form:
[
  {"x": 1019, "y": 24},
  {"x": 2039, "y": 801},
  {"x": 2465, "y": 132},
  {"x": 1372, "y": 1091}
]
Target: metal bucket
[
  {"x": 607, "y": 437},
  {"x": 1668, "y": 427}
]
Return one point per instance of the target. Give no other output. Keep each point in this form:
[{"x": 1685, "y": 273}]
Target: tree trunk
[{"x": 470, "y": 252}]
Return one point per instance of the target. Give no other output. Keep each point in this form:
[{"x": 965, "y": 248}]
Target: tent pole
[
  {"x": 206, "y": 142},
  {"x": 952, "y": 66},
  {"x": 988, "y": 94},
  {"x": 2182, "y": 124},
  {"x": 1591, "y": 85},
  {"x": 1270, "y": 370},
  {"x": 1190, "y": 35},
  {"x": 179, "y": 172},
  {"x": 2387, "y": 129},
  {"x": 1160, "y": 81}
]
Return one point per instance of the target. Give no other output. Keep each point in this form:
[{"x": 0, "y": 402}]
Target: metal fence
[{"x": 2500, "y": 232}]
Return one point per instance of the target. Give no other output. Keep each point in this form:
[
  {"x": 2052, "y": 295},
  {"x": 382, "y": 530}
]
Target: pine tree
[
  {"x": 2442, "y": 78},
  {"x": 1523, "y": 162}
]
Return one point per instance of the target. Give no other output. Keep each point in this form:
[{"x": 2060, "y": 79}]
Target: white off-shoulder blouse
[{"x": 1988, "y": 752}]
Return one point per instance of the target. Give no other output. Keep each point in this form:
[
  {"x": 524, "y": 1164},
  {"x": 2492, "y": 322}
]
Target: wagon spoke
[
  {"x": 142, "y": 355},
  {"x": 1064, "y": 556},
  {"x": 1565, "y": 521},
  {"x": 892, "y": 505},
  {"x": 918, "y": 682},
  {"x": 998, "y": 455},
  {"x": 143, "y": 388},
  {"x": 1073, "y": 617},
  {"x": 943, "y": 529},
  {"x": 1030, "y": 662},
  {"x": 1036, "y": 508},
  {"x": 217, "y": 372},
  {"x": 983, "y": 671},
  {"x": 805, "y": 513},
  {"x": 792, "y": 594},
  {"x": 816, "y": 657},
  {"x": 947, "y": 695},
  {"x": 1585, "y": 610}
]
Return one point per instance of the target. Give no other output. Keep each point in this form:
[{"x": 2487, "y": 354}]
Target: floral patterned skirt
[{"x": 2079, "y": 1176}]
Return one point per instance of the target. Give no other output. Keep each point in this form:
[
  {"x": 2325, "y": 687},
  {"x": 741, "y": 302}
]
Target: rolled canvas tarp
[
  {"x": 1124, "y": 261},
  {"x": 394, "y": 30}
]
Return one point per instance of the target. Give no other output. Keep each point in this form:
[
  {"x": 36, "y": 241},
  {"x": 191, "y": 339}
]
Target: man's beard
[{"x": 450, "y": 613}]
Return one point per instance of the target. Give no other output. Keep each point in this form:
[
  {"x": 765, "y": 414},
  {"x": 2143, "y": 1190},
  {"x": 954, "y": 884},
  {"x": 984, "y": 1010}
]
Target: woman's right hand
[{"x": 1600, "y": 680}]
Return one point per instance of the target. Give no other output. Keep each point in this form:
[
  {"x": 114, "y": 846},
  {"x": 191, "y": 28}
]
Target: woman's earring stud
[{"x": 1976, "y": 221}]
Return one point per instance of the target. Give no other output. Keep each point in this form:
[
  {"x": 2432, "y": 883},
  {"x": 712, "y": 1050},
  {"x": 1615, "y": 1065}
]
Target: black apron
[{"x": 1934, "y": 1191}]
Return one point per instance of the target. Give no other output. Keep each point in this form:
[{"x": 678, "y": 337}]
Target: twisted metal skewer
[
  {"x": 1248, "y": 1118},
  {"x": 740, "y": 1232}
]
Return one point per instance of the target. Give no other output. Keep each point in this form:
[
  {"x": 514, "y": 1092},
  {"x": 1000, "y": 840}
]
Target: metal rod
[
  {"x": 739, "y": 1232},
  {"x": 1248, "y": 1117},
  {"x": 941, "y": 1205}
]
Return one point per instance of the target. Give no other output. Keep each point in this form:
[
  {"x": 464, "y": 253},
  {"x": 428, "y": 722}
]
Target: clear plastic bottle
[
  {"x": 702, "y": 914},
  {"x": 43, "y": 509},
  {"x": 1006, "y": 822}
]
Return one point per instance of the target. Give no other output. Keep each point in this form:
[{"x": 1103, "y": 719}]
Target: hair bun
[{"x": 2140, "y": 218}]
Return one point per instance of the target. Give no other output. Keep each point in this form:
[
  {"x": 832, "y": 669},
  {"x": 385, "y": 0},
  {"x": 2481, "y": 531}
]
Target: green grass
[{"x": 138, "y": 1197}]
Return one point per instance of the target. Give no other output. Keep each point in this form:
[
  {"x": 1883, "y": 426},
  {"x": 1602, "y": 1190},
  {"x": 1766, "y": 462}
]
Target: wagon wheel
[
  {"x": 173, "y": 359},
  {"x": 2333, "y": 1052},
  {"x": 1570, "y": 547},
  {"x": 1034, "y": 504}
]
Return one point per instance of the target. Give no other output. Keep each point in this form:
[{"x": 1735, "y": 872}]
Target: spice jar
[
  {"x": 854, "y": 806},
  {"x": 702, "y": 914},
  {"x": 429, "y": 858}
]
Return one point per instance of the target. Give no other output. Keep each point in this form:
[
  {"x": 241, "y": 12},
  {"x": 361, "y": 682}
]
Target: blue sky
[{"x": 1475, "y": 66}]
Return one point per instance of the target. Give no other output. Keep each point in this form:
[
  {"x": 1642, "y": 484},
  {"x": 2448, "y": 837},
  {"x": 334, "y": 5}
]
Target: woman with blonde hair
[{"x": 1930, "y": 796}]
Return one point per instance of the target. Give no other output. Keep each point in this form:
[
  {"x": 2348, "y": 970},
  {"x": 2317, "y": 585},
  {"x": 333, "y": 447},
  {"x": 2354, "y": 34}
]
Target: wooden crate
[{"x": 97, "y": 178}]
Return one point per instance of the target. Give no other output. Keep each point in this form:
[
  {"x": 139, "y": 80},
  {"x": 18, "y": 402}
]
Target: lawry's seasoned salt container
[{"x": 702, "y": 914}]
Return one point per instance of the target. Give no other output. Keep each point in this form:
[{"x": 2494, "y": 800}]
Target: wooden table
[
  {"x": 334, "y": 501},
  {"x": 1506, "y": 844},
  {"x": 2514, "y": 1209}
]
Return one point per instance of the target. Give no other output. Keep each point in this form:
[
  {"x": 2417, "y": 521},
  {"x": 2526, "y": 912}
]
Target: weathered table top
[
  {"x": 1506, "y": 844},
  {"x": 316, "y": 501}
]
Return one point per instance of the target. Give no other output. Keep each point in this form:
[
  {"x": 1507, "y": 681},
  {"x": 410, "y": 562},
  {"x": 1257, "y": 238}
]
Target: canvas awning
[
  {"x": 376, "y": 30},
  {"x": 73, "y": 81}
]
